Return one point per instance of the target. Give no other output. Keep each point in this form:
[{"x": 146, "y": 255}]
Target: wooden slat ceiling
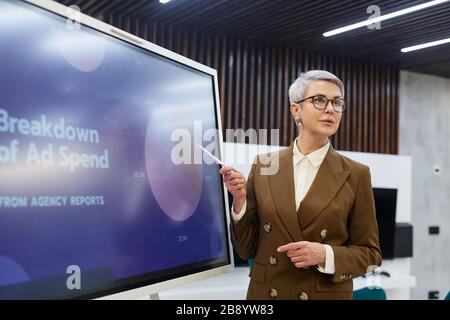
[{"x": 300, "y": 24}]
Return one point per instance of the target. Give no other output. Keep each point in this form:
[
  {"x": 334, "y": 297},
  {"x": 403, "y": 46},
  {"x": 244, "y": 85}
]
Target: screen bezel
[{"x": 138, "y": 289}]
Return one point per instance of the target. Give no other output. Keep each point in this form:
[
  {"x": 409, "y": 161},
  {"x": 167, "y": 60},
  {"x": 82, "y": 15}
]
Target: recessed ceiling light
[
  {"x": 163, "y": 1},
  {"x": 383, "y": 17},
  {"x": 426, "y": 45}
]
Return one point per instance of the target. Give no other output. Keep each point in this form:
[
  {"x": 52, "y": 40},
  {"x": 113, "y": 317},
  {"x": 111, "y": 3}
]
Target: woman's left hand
[{"x": 304, "y": 253}]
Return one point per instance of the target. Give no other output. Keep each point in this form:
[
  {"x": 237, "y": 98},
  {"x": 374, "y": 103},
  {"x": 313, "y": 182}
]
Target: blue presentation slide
[{"x": 90, "y": 130}]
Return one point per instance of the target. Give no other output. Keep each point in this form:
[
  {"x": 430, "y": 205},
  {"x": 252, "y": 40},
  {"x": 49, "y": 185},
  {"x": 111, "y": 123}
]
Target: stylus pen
[{"x": 217, "y": 160}]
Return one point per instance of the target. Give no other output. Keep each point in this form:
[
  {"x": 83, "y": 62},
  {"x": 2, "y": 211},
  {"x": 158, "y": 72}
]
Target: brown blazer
[{"x": 338, "y": 210}]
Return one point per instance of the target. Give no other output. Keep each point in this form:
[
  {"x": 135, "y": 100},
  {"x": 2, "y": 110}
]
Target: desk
[
  {"x": 396, "y": 287},
  {"x": 233, "y": 286}
]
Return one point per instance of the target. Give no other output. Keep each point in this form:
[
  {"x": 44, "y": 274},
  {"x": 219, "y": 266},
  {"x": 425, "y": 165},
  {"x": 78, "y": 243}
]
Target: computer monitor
[
  {"x": 385, "y": 205},
  {"x": 102, "y": 192}
]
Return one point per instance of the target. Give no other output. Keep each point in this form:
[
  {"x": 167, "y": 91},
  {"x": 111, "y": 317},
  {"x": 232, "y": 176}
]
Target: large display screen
[{"x": 101, "y": 187}]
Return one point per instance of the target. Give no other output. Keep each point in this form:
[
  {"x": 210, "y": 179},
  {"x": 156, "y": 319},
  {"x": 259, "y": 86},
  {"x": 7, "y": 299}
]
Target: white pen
[{"x": 217, "y": 160}]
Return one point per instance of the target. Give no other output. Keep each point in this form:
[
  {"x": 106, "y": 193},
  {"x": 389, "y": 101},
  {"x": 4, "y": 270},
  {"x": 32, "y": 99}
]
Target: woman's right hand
[{"x": 236, "y": 185}]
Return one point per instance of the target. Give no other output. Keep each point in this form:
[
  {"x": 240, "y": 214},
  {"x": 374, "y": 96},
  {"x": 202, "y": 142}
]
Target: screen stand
[{"x": 154, "y": 296}]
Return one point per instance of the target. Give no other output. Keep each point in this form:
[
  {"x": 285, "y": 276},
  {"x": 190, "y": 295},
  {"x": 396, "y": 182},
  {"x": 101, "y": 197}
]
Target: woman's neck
[{"x": 307, "y": 144}]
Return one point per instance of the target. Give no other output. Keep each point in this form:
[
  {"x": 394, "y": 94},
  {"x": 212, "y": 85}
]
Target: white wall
[{"x": 424, "y": 136}]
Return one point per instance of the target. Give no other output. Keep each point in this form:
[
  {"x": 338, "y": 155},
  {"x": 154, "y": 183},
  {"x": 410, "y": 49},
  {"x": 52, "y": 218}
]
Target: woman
[{"x": 310, "y": 227}]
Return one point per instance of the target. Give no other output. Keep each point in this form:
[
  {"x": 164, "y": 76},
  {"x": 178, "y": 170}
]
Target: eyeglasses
[{"x": 320, "y": 102}]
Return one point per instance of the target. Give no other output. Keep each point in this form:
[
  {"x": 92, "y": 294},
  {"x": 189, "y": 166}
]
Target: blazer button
[
  {"x": 273, "y": 293},
  {"x": 268, "y": 227},
  {"x": 323, "y": 234},
  {"x": 273, "y": 260},
  {"x": 303, "y": 296}
]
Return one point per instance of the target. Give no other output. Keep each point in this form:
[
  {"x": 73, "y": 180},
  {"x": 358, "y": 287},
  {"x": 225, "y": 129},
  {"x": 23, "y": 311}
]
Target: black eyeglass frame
[{"x": 326, "y": 104}]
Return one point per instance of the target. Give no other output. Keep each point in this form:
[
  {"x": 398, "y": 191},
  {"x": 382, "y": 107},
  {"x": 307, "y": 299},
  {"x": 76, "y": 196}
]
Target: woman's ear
[{"x": 295, "y": 111}]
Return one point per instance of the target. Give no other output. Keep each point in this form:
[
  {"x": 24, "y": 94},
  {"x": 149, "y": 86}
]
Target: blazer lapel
[
  {"x": 328, "y": 181},
  {"x": 283, "y": 194}
]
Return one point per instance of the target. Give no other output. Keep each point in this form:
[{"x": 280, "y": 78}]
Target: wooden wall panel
[{"x": 254, "y": 79}]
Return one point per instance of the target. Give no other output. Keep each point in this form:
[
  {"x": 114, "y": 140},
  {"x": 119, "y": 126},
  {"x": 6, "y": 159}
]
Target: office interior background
[{"x": 398, "y": 103}]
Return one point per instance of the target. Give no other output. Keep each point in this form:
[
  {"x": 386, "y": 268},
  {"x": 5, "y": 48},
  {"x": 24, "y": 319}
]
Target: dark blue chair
[{"x": 375, "y": 293}]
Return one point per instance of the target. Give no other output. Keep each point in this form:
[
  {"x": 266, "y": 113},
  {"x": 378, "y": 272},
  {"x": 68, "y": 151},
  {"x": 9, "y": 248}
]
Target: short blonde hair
[{"x": 298, "y": 89}]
